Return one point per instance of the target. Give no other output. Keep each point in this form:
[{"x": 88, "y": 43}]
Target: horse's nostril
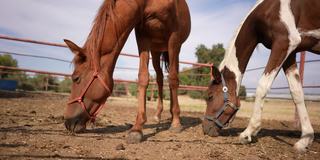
[
  {"x": 70, "y": 124},
  {"x": 74, "y": 125},
  {"x": 210, "y": 129},
  {"x": 77, "y": 126},
  {"x": 67, "y": 125}
]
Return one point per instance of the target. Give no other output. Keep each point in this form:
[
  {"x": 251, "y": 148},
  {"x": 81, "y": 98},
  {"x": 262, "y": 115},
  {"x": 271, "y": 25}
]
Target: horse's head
[
  {"x": 89, "y": 90},
  {"x": 222, "y": 102}
]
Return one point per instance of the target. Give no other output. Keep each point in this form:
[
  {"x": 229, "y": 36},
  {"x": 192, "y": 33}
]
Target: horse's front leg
[
  {"x": 280, "y": 51},
  {"x": 136, "y": 134},
  {"x": 174, "y": 50}
]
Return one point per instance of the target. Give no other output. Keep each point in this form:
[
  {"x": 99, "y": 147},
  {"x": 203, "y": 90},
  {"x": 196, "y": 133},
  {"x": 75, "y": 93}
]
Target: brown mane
[{"x": 93, "y": 43}]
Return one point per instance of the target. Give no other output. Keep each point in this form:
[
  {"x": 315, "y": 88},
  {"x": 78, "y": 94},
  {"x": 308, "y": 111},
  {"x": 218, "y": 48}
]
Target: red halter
[
  {"x": 81, "y": 97},
  {"x": 95, "y": 75}
]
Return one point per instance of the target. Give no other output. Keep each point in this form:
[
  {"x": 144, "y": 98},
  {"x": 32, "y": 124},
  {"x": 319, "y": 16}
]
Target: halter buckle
[{"x": 225, "y": 89}]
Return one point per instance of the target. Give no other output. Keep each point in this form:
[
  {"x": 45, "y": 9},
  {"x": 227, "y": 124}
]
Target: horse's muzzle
[
  {"x": 75, "y": 125},
  {"x": 209, "y": 128}
]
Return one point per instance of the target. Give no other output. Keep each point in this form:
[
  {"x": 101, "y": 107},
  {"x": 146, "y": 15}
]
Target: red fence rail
[
  {"x": 65, "y": 46},
  {"x": 186, "y": 87},
  {"x": 182, "y": 87}
]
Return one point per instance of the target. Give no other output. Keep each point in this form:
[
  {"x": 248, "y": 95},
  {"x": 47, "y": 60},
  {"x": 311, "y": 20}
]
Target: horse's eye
[
  {"x": 76, "y": 79},
  {"x": 209, "y": 98}
]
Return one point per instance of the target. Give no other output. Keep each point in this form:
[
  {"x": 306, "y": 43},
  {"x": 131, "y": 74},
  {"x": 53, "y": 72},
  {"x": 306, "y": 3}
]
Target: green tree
[
  {"x": 9, "y": 61},
  {"x": 214, "y": 55},
  {"x": 201, "y": 76},
  {"x": 21, "y": 77},
  {"x": 40, "y": 82},
  {"x": 243, "y": 92},
  {"x": 65, "y": 85}
]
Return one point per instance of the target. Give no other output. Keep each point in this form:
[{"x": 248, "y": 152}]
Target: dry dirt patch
[{"x": 31, "y": 127}]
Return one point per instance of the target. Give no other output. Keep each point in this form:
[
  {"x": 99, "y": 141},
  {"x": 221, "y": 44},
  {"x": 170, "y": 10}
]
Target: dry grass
[{"x": 273, "y": 109}]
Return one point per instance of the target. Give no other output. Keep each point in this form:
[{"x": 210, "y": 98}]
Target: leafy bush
[
  {"x": 242, "y": 92},
  {"x": 65, "y": 86},
  {"x": 7, "y": 60}
]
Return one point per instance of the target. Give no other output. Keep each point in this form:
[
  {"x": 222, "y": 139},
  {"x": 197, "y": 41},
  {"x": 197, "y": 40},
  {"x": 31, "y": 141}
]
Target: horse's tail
[{"x": 165, "y": 60}]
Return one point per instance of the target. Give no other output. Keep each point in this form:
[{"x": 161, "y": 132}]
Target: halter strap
[
  {"x": 80, "y": 99},
  {"x": 224, "y": 89}
]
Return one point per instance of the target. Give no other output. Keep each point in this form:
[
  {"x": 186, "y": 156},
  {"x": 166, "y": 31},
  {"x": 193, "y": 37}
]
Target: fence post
[
  {"x": 301, "y": 68},
  {"x": 127, "y": 89},
  {"x": 211, "y": 75},
  {"x": 46, "y": 82}
]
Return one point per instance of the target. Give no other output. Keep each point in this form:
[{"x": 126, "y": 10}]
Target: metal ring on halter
[{"x": 225, "y": 89}]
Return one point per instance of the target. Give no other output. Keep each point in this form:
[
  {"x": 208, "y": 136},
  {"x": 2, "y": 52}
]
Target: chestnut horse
[
  {"x": 284, "y": 26},
  {"x": 161, "y": 27}
]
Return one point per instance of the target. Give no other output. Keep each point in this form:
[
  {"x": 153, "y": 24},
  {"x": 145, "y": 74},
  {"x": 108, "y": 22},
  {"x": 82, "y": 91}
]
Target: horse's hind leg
[
  {"x": 279, "y": 53},
  {"x": 292, "y": 74},
  {"x": 156, "y": 65},
  {"x": 174, "y": 50}
]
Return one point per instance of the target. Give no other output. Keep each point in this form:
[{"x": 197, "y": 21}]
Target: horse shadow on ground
[
  {"x": 27, "y": 128},
  {"x": 187, "y": 122},
  {"x": 54, "y": 156},
  {"x": 276, "y": 134},
  {"x": 12, "y": 94}
]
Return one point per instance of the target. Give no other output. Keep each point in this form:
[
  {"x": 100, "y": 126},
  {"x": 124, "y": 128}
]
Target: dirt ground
[{"x": 31, "y": 127}]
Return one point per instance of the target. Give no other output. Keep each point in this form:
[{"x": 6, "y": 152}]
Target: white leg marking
[
  {"x": 294, "y": 37},
  {"x": 230, "y": 59},
  {"x": 298, "y": 98},
  {"x": 255, "y": 121}
]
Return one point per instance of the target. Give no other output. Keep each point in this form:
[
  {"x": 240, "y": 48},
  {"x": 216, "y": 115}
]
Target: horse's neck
[
  {"x": 116, "y": 34},
  {"x": 241, "y": 48},
  {"x": 239, "y": 52}
]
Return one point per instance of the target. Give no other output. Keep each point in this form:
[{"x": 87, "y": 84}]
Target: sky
[{"x": 213, "y": 21}]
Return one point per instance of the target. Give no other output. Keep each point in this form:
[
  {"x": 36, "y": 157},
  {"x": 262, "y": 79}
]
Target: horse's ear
[
  {"x": 73, "y": 47},
  {"x": 216, "y": 75},
  {"x": 76, "y": 50}
]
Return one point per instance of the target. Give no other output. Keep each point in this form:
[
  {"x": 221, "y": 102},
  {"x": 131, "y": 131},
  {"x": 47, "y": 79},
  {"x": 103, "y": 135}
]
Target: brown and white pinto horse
[
  {"x": 161, "y": 26},
  {"x": 284, "y": 26}
]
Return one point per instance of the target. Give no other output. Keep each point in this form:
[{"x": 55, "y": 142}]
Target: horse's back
[{"x": 266, "y": 19}]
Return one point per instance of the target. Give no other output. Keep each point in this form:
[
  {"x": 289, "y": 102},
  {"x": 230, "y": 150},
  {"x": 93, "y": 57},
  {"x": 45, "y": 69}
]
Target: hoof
[
  {"x": 245, "y": 139},
  {"x": 134, "y": 137},
  {"x": 300, "y": 148},
  {"x": 176, "y": 129},
  {"x": 157, "y": 119}
]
